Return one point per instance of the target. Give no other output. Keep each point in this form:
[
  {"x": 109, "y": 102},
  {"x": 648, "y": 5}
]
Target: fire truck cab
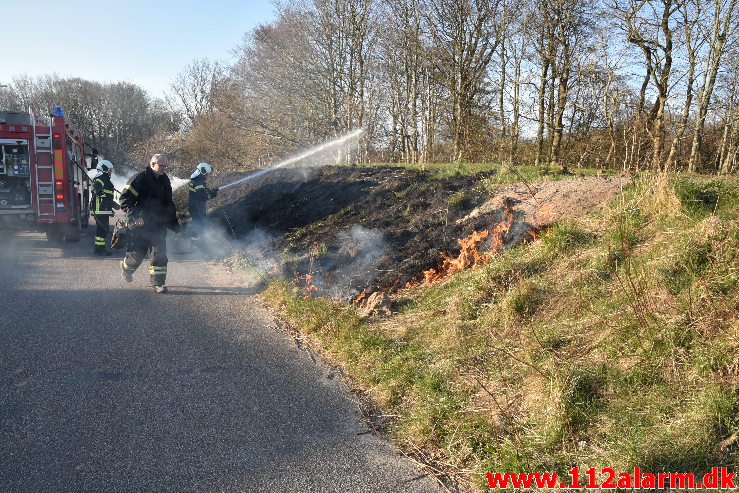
[{"x": 44, "y": 183}]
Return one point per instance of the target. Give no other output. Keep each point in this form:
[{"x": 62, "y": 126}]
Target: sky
[{"x": 145, "y": 42}]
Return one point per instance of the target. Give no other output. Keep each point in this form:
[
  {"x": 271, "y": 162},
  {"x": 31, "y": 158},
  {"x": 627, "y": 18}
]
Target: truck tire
[
  {"x": 57, "y": 233},
  {"x": 54, "y": 233},
  {"x": 71, "y": 233}
]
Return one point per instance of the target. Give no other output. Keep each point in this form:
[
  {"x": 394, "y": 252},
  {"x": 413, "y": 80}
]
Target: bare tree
[
  {"x": 464, "y": 38},
  {"x": 342, "y": 32},
  {"x": 651, "y": 25},
  {"x": 730, "y": 134},
  {"x": 722, "y": 27},
  {"x": 194, "y": 88},
  {"x": 691, "y": 17},
  {"x": 517, "y": 52},
  {"x": 273, "y": 96},
  {"x": 546, "y": 49},
  {"x": 306, "y": 77},
  {"x": 570, "y": 30},
  {"x": 112, "y": 116},
  {"x": 511, "y": 51}
]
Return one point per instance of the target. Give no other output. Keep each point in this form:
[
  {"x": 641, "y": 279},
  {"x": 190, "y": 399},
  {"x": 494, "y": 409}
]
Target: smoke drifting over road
[{"x": 338, "y": 274}]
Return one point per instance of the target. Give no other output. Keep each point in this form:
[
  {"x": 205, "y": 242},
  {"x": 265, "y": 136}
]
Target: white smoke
[
  {"x": 120, "y": 180},
  {"x": 356, "y": 261},
  {"x": 339, "y": 274},
  {"x": 259, "y": 260},
  {"x": 122, "y": 175},
  {"x": 253, "y": 255}
]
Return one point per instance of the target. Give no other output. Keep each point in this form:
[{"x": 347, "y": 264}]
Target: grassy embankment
[{"x": 611, "y": 341}]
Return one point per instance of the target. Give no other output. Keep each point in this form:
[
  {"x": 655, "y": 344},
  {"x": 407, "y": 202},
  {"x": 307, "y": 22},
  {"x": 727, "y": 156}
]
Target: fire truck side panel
[{"x": 42, "y": 178}]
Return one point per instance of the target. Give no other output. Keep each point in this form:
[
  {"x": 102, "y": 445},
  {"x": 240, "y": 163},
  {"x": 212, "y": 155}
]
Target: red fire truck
[{"x": 44, "y": 183}]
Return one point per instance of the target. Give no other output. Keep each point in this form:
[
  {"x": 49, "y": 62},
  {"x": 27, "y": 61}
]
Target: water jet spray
[{"x": 322, "y": 147}]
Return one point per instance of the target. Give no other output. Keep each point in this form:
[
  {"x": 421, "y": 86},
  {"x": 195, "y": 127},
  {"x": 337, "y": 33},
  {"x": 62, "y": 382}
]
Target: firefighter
[
  {"x": 147, "y": 202},
  {"x": 102, "y": 205},
  {"x": 199, "y": 193}
]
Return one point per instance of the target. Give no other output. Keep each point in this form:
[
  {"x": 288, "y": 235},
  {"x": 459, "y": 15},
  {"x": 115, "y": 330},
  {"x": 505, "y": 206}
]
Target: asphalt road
[{"x": 108, "y": 387}]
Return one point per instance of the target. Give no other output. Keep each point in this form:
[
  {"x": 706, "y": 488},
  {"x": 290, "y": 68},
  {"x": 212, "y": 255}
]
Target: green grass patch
[
  {"x": 701, "y": 199},
  {"x": 459, "y": 198}
]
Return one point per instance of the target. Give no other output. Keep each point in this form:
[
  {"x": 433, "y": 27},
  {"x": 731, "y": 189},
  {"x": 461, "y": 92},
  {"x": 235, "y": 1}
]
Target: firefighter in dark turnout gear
[
  {"x": 198, "y": 195},
  {"x": 147, "y": 202},
  {"x": 102, "y": 205}
]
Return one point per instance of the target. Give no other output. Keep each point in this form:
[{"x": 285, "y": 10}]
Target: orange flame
[
  {"x": 361, "y": 296},
  {"x": 309, "y": 289},
  {"x": 469, "y": 255}
]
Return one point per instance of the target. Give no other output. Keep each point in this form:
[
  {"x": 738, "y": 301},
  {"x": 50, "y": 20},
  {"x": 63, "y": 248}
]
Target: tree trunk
[
  {"x": 723, "y": 21},
  {"x": 543, "y": 80}
]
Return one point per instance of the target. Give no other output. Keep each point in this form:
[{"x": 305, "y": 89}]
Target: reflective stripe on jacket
[{"x": 102, "y": 195}]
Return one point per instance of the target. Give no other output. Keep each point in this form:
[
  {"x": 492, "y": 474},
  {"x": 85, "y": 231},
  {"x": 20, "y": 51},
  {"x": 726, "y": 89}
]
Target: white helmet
[
  {"x": 104, "y": 165},
  {"x": 204, "y": 168}
]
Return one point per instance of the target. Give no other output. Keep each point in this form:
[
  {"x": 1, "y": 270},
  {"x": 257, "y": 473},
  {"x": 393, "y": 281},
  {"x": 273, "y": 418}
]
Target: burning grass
[
  {"x": 470, "y": 253},
  {"x": 611, "y": 341},
  {"x": 378, "y": 228}
]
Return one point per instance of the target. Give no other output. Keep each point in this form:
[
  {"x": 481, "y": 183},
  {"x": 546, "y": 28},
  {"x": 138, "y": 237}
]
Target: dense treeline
[
  {"x": 116, "y": 118},
  {"x": 614, "y": 83}
]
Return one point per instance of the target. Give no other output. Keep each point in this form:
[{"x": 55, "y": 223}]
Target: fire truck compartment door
[{"x": 14, "y": 157}]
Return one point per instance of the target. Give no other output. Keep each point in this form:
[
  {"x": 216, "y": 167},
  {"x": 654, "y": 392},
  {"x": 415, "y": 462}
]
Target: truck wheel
[
  {"x": 54, "y": 233},
  {"x": 72, "y": 234},
  {"x": 67, "y": 233}
]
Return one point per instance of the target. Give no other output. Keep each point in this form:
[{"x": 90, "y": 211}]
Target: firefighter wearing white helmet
[
  {"x": 204, "y": 168},
  {"x": 105, "y": 166},
  {"x": 102, "y": 205},
  {"x": 199, "y": 194}
]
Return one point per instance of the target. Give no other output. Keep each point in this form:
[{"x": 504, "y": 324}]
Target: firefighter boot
[
  {"x": 158, "y": 270},
  {"x": 100, "y": 247},
  {"x": 158, "y": 274},
  {"x": 126, "y": 274}
]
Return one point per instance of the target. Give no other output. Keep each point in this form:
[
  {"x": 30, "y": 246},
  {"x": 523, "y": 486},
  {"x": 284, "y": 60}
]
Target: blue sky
[{"x": 146, "y": 42}]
